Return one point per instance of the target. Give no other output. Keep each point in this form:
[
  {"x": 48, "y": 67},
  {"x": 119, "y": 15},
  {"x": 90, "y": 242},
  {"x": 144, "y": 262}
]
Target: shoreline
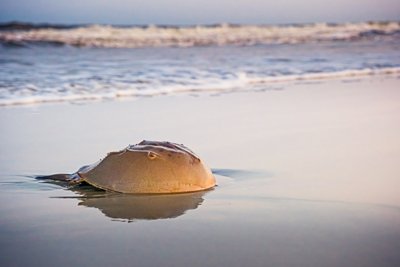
[{"x": 264, "y": 84}]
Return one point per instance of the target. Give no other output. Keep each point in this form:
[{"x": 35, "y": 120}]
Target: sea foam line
[
  {"x": 242, "y": 83},
  {"x": 225, "y": 34},
  {"x": 327, "y": 75}
]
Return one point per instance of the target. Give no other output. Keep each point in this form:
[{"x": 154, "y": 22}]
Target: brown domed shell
[{"x": 150, "y": 167}]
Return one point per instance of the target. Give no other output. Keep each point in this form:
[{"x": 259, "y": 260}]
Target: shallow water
[
  {"x": 214, "y": 229},
  {"x": 307, "y": 176}
]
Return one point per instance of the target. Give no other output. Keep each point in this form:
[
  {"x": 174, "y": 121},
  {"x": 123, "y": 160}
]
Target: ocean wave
[
  {"x": 241, "y": 82},
  {"x": 219, "y": 35}
]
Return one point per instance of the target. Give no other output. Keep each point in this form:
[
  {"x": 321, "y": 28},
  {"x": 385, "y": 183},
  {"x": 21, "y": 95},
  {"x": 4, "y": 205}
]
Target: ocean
[{"x": 74, "y": 63}]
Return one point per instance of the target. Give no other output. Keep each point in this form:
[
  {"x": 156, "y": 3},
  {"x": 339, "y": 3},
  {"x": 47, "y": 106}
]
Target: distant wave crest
[{"x": 218, "y": 35}]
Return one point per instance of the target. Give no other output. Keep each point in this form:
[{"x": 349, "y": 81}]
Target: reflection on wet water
[{"x": 130, "y": 207}]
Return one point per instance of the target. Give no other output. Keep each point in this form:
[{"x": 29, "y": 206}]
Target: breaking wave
[{"x": 18, "y": 34}]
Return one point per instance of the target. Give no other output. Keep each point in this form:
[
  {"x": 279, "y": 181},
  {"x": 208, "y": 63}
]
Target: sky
[{"x": 189, "y": 12}]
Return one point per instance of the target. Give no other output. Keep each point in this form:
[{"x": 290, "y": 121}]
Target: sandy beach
[{"x": 307, "y": 173}]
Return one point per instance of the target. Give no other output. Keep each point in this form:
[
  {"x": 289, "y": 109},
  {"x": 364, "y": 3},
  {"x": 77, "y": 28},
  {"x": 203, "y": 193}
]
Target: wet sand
[{"x": 308, "y": 175}]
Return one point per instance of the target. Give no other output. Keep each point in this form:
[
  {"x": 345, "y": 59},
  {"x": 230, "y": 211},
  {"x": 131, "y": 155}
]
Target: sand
[{"x": 314, "y": 179}]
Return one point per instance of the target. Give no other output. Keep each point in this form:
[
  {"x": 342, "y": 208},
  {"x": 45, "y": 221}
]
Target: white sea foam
[
  {"x": 327, "y": 75},
  {"x": 241, "y": 82},
  {"x": 153, "y": 36}
]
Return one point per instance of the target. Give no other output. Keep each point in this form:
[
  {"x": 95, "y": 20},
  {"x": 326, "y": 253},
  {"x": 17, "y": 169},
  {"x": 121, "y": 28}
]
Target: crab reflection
[{"x": 130, "y": 207}]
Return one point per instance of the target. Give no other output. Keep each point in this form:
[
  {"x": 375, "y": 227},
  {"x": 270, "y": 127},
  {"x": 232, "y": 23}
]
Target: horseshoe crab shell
[{"x": 149, "y": 167}]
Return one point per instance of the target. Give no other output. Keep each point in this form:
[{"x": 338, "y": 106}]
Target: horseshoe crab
[{"x": 148, "y": 167}]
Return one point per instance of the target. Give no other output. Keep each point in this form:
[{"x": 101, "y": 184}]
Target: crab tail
[
  {"x": 63, "y": 177},
  {"x": 55, "y": 177}
]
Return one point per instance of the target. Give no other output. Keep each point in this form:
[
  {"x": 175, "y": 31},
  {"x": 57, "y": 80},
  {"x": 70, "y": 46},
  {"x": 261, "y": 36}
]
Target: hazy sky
[{"x": 197, "y": 11}]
